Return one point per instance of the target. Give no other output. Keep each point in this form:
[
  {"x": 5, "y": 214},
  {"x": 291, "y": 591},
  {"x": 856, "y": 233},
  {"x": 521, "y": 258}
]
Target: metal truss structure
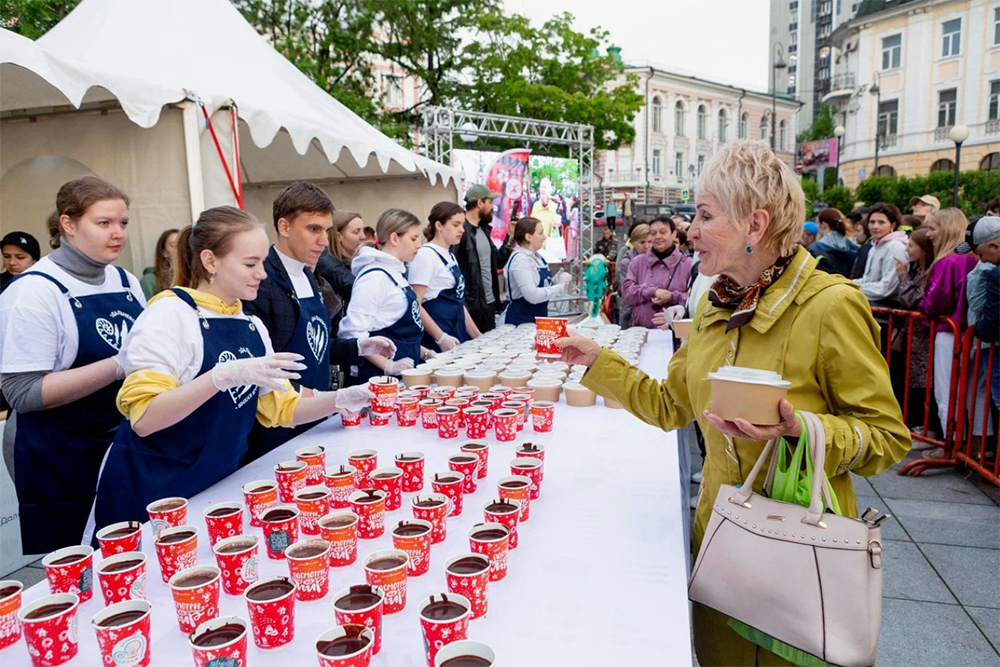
[{"x": 441, "y": 124}]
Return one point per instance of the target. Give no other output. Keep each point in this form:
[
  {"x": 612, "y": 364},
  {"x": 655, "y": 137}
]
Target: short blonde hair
[
  {"x": 639, "y": 232},
  {"x": 746, "y": 176}
]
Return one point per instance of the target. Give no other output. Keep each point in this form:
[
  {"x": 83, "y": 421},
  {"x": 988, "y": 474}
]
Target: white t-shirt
[
  {"x": 37, "y": 325},
  {"x": 167, "y": 338},
  {"x": 376, "y": 302},
  {"x": 427, "y": 269},
  {"x": 296, "y": 271}
]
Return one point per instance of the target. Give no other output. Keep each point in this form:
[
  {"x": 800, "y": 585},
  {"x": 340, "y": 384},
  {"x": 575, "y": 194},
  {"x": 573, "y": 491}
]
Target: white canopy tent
[{"x": 117, "y": 89}]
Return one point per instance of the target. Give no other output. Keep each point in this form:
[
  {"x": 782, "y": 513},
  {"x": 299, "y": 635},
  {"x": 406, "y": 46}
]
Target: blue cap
[{"x": 811, "y": 227}]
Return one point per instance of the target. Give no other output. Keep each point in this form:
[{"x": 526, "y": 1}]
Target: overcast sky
[{"x": 719, "y": 40}]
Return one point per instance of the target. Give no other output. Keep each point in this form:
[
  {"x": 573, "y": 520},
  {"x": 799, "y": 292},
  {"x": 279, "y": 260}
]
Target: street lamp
[
  {"x": 877, "y": 92},
  {"x": 958, "y": 134},
  {"x": 779, "y": 63},
  {"x": 839, "y": 132}
]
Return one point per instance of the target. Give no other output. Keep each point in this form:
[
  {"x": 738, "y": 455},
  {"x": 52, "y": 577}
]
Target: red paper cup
[
  {"x": 309, "y": 565},
  {"x": 526, "y": 394},
  {"x": 350, "y": 419},
  {"x": 389, "y": 481},
  {"x": 361, "y": 639},
  {"x": 378, "y": 418},
  {"x": 55, "y": 639},
  {"x": 542, "y": 413},
  {"x": 176, "y": 550},
  {"x": 361, "y": 605},
  {"x": 406, "y": 537},
  {"x": 387, "y": 570},
  {"x": 441, "y": 393},
  {"x": 433, "y": 507},
  {"x": 428, "y": 412},
  {"x": 438, "y": 633},
  {"x": 450, "y": 484},
  {"x": 385, "y": 388},
  {"x": 340, "y": 529},
  {"x": 407, "y": 411},
  {"x": 476, "y": 421},
  {"x": 481, "y": 449},
  {"x": 223, "y": 520},
  {"x": 281, "y": 530},
  {"x": 124, "y": 643},
  {"x": 421, "y": 389},
  {"x": 547, "y": 331},
  {"x": 496, "y": 398},
  {"x": 369, "y": 506},
  {"x": 505, "y": 512},
  {"x": 517, "y": 488},
  {"x": 530, "y": 468},
  {"x": 71, "y": 570},
  {"x": 412, "y": 465},
  {"x": 259, "y": 497},
  {"x": 231, "y": 652},
  {"x": 533, "y": 451},
  {"x": 196, "y": 596},
  {"x": 485, "y": 405},
  {"x": 341, "y": 482},
  {"x": 493, "y": 541},
  {"x": 447, "y": 422},
  {"x": 460, "y": 403},
  {"x": 312, "y": 503},
  {"x": 271, "y": 603},
  {"x": 364, "y": 461},
  {"x": 464, "y": 647},
  {"x": 122, "y": 577},
  {"x": 10, "y": 604},
  {"x": 466, "y": 463},
  {"x": 315, "y": 459},
  {"x": 120, "y": 537},
  {"x": 239, "y": 561},
  {"x": 291, "y": 476},
  {"x": 167, "y": 513},
  {"x": 505, "y": 424},
  {"x": 521, "y": 408},
  {"x": 468, "y": 576}
]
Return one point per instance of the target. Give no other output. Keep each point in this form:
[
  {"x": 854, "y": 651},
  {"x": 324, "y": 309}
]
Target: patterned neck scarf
[{"x": 725, "y": 293}]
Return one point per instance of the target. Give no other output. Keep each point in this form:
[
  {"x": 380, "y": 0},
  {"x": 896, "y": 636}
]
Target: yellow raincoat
[{"x": 817, "y": 330}]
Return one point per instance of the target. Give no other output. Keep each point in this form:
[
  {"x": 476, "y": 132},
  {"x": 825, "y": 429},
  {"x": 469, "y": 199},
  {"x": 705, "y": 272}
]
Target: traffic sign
[{"x": 685, "y": 194}]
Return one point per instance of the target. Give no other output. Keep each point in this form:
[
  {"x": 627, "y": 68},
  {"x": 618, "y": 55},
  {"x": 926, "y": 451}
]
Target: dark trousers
[{"x": 485, "y": 317}]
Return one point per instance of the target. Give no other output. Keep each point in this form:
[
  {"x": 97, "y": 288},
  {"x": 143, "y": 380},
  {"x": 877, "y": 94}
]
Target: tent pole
[{"x": 192, "y": 151}]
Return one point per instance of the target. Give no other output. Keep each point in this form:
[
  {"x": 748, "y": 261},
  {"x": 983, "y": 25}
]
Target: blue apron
[
  {"x": 58, "y": 452},
  {"x": 448, "y": 307},
  {"x": 195, "y": 453},
  {"x": 311, "y": 339},
  {"x": 520, "y": 310},
  {"x": 406, "y": 332}
]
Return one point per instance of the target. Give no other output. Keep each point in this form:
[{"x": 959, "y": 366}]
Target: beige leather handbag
[{"x": 809, "y": 579}]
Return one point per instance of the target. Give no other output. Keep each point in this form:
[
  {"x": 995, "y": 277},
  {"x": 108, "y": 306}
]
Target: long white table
[{"x": 598, "y": 577}]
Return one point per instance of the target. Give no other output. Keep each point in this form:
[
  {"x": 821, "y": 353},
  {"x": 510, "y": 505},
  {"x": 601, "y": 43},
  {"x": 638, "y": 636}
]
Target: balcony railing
[
  {"x": 941, "y": 133},
  {"x": 993, "y": 126},
  {"x": 842, "y": 81}
]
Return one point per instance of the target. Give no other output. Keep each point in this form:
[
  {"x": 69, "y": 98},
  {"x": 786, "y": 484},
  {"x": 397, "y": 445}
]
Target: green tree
[
  {"x": 840, "y": 197},
  {"x": 821, "y": 128},
  {"x": 34, "y": 18}
]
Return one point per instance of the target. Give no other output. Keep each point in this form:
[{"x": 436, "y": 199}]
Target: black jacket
[
  {"x": 276, "y": 306},
  {"x": 467, "y": 257},
  {"x": 988, "y": 324},
  {"x": 338, "y": 274}
]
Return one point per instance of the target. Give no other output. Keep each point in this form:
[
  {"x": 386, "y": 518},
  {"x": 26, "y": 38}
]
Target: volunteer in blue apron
[
  {"x": 62, "y": 323},
  {"x": 291, "y": 307},
  {"x": 438, "y": 282},
  {"x": 382, "y": 301},
  {"x": 201, "y": 372},
  {"x": 529, "y": 281}
]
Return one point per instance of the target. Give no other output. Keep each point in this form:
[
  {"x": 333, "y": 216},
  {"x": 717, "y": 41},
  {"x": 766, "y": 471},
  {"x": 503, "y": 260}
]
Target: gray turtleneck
[{"x": 78, "y": 265}]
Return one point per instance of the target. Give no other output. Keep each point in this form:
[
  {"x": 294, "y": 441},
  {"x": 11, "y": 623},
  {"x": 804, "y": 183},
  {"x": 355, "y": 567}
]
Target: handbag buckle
[
  {"x": 875, "y": 553},
  {"x": 743, "y": 504},
  {"x": 818, "y": 524}
]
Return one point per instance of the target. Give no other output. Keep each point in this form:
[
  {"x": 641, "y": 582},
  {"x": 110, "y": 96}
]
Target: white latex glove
[
  {"x": 398, "y": 366},
  {"x": 426, "y": 354},
  {"x": 446, "y": 342},
  {"x": 353, "y": 399},
  {"x": 564, "y": 279},
  {"x": 379, "y": 345},
  {"x": 675, "y": 313},
  {"x": 269, "y": 372}
]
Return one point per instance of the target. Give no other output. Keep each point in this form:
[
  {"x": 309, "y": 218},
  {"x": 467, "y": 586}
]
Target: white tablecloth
[{"x": 597, "y": 579}]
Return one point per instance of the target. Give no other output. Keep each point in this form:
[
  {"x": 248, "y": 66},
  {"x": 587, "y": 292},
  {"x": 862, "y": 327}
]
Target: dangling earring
[
  {"x": 749, "y": 249},
  {"x": 211, "y": 277}
]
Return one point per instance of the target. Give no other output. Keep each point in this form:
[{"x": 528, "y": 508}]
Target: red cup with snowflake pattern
[
  {"x": 378, "y": 418},
  {"x": 361, "y": 604},
  {"x": 291, "y": 476},
  {"x": 387, "y": 570},
  {"x": 271, "y": 603},
  {"x": 10, "y": 604},
  {"x": 386, "y": 389},
  {"x": 505, "y": 424},
  {"x": 341, "y": 482},
  {"x": 350, "y": 419},
  {"x": 176, "y": 550},
  {"x": 196, "y": 595},
  {"x": 120, "y": 537},
  {"x": 51, "y": 629},
  {"x": 223, "y": 520},
  {"x": 281, "y": 530},
  {"x": 460, "y": 403},
  {"x": 390, "y": 481},
  {"x": 542, "y": 413},
  {"x": 414, "y": 538},
  {"x": 167, "y": 513},
  {"x": 220, "y": 642},
  {"x": 122, "y": 577},
  {"x": 259, "y": 497},
  {"x": 505, "y": 512},
  {"x": 518, "y": 489},
  {"x": 450, "y": 484},
  {"x": 476, "y": 421},
  {"x": 433, "y": 507},
  {"x": 312, "y": 503},
  {"x": 346, "y": 646},
  {"x": 364, "y": 461},
  {"x": 468, "y": 576},
  {"x": 407, "y": 411},
  {"x": 447, "y": 422},
  {"x": 309, "y": 565},
  {"x": 481, "y": 449},
  {"x": 123, "y": 633},
  {"x": 428, "y": 412},
  {"x": 369, "y": 506},
  {"x": 444, "y": 619},
  {"x": 519, "y": 407},
  {"x": 314, "y": 456},
  {"x": 238, "y": 559},
  {"x": 71, "y": 570},
  {"x": 493, "y": 541},
  {"x": 465, "y": 463},
  {"x": 340, "y": 529},
  {"x": 532, "y": 450},
  {"x": 532, "y": 469},
  {"x": 412, "y": 465}
]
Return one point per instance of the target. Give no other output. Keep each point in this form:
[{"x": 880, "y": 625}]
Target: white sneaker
[{"x": 696, "y": 478}]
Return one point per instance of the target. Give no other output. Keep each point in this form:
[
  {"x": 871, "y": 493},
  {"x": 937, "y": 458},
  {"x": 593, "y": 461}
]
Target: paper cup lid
[{"x": 749, "y": 376}]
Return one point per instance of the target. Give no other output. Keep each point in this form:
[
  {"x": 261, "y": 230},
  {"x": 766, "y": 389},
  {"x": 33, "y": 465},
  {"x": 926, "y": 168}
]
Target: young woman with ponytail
[{"x": 200, "y": 372}]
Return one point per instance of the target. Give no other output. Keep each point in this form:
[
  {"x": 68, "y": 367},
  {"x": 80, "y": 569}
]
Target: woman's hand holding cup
[{"x": 578, "y": 350}]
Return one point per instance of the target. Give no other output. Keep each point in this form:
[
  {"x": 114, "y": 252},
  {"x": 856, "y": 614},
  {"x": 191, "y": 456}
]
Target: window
[
  {"x": 824, "y": 73},
  {"x": 994, "y": 100},
  {"x": 702, "y": 122},
  {"x": 393, "y": 91},
  {"x": 679, "y": 165},
  {"x": 892, "y": 48},
  {"x": 791, "y": 80},
  {"x": 723, "y": 123},
  {"x": 657, "y": 113},
  {"x": 794, "y": 38},
  {"x": 657, "y": 160},
  {"x": 744, "y": 126},
  {"x": 795, "y": 16},
  {"x": 701, "y": 163},
  {"x": 996, "y": 27},
  {"x": 679, "y": 119},
  {"x": 764, "y": 122},
  {"x": 943, "y": 164},
  {"x": 782, "y": 133},
  {"x": 885, "y": 170},
  {"x": 946, "y": 107},
  {"x": 888, "y": 118},
  {"x": 951, "y": 41},
  {"x": 991, "y": 162}
]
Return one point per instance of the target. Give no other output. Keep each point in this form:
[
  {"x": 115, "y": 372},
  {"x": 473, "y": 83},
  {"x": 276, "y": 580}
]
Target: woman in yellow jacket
[{"x": 770, "y": 309}]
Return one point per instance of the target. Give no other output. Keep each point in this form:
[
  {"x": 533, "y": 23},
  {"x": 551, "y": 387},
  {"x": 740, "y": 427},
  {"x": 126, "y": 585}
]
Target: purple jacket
[
  {"x": 646, "y": 274},
  {"x": 944, "y": 293}
]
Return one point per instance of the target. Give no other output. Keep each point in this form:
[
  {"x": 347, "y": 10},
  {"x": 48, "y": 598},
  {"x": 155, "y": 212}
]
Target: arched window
[
  {"x": 782, "y": 133},
  {"x": 944, "y": 164},
  {"x": 991, "y": 162},
  {"x": 679, "y": 119},
  {"x": 657, "y": 113},
  {"x": 765, "y": 124},
  {"x": 723, "y": 124},
  {"x": 702, "y": 122},
  {"x": 885, "y": 170},
  {"x": 744, "y": 126}
]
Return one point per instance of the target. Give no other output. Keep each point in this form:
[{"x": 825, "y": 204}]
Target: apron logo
[
  {"x": 415, "y": 314},
  {"x": 317, "y": 337},
  {"x": 460, "y": 286},
  {"x": 243, "y": 392},
  {"x": 114, "y": 332}
]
